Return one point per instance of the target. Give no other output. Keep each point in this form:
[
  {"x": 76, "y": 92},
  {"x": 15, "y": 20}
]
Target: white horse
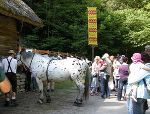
[{"x": 47, "y": 69}]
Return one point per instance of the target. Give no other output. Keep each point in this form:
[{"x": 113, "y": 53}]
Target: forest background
[{"x": 123, "y": 26}]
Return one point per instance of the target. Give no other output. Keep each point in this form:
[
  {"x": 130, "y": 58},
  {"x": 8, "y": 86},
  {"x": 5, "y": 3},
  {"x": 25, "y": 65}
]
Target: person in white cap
[{"x": 10, "y": 68}]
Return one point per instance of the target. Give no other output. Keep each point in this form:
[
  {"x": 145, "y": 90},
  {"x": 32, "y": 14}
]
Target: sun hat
[
  {"x": 136, "y": 57},
  {"x": 11, "y": 52}
]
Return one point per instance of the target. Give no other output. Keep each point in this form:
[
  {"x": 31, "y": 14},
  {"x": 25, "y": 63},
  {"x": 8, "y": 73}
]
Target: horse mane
[{"x": 29, "y": 54}]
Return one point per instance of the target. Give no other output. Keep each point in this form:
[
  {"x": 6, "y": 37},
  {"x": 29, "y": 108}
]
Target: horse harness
[
  {"x": 46, "y": 69},
  {"x": 30, "y": 62}
]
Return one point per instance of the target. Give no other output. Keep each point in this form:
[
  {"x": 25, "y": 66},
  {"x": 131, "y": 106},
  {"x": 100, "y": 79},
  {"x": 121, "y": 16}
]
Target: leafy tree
[
  {"x": 137, "y": 22},
  {"x": 123, "y": 26}
]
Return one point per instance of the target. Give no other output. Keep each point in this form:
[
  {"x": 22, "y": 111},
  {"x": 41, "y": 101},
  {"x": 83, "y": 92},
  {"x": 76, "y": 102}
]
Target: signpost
[{"x": 92, "y": 28}]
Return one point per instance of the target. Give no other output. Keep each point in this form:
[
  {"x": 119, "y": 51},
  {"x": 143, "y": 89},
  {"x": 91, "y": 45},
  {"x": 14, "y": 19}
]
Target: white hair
[{"x": 106, "y": 55}]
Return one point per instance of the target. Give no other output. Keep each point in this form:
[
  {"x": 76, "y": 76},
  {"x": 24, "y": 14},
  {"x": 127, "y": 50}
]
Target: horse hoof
[
  {"x": 77, "y": 104},
  {"x": 40, "y": 101},
  {"x": 52, "y": 90},
  {"x": 48, "y": 101}
]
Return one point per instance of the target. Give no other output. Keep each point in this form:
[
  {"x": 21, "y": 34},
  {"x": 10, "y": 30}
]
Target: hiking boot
[
  {"x": 146, "y": 106},
  {"x": 96, "y": 93},
  {"x": 7, "y": 103},
  {"x": 102, "y": 96},
  {"x": 13, "y": 103},
  {"x": 92, "y": 94}
]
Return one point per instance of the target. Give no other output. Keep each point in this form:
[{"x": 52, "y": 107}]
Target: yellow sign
[{"x": 92, "y": 26}]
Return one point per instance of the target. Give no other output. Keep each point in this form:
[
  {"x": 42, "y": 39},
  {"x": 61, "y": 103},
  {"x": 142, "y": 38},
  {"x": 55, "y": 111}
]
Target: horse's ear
[{"x": 22, "y": 50}]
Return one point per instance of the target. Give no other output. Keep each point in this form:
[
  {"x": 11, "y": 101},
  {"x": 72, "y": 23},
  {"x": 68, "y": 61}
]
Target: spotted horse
[{"x": 47, "y": 69}]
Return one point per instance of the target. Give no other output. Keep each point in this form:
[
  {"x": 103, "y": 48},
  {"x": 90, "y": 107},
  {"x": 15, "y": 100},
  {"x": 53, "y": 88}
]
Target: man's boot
[
  {"x": 13, "y": 102},
  {"x": 7, "y": 103}
]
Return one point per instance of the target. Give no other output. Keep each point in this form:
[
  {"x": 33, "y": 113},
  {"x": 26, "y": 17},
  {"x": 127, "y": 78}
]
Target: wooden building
[{"x": 12, "y": 13}]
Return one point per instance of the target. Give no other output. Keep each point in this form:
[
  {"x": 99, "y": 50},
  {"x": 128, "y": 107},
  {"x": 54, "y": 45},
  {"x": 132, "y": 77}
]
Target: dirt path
[{"x": 62, "y": 103}]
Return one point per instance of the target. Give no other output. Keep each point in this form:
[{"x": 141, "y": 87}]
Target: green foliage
[
  {"x": 65, "y": 25},
  {"x": 147, "y": 7},
  {"x": 124, "y": 4},
  {"x": 137, "y": 22},
  {"x": 30, "y": 41},
  {"x": 123, "y": 26},
  {"x": 111, "y": 32},
  {"x": 134, "y": 3},
  {"x": 64, "y": 85}
]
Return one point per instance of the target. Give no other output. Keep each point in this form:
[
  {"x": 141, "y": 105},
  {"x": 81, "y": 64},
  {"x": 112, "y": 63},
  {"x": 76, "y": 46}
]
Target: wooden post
[{"x": 93, "y": 52}]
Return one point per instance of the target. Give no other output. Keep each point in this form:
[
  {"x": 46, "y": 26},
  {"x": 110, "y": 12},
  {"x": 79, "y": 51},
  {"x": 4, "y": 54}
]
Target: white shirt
[
  {"x": 116, "y": 65},
  {"x": 13, "y": 64},
  {"x": 134, "y": 70},
  {"x": 95, "y": 68}
]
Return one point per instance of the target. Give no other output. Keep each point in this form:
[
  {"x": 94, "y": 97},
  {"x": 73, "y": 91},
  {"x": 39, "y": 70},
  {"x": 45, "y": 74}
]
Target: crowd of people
[{"x": 129, "y": 79}]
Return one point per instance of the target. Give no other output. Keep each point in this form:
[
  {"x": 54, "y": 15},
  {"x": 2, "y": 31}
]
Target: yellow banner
[{"x": 92, "y": 26}]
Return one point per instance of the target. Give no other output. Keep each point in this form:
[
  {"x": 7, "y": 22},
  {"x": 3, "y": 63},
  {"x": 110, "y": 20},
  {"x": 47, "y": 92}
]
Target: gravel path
[{"x": 62, "y": 103}]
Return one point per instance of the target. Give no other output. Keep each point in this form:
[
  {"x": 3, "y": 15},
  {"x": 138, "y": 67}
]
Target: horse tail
[{"x": 86, "y": 83}]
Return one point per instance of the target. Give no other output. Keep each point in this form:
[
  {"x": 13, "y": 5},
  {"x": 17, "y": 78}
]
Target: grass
[
  {"x": 64, "y": 84},
  {"x": 63, "y": 87}
]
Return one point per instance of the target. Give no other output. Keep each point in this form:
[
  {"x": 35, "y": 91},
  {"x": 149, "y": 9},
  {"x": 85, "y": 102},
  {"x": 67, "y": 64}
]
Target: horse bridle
[{"x": 30, "y": 62}]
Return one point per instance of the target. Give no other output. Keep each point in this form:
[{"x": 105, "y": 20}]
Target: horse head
[{"x": 25, "y": 58}]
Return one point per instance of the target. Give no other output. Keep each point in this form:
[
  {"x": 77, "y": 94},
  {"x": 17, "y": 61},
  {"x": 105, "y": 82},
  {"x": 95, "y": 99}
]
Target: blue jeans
[
  {"x": 108, "y": 89},
  {"x": 130, "y": 106},
  {"x": 104, "y": 79},
  {"x": 94, "y": 85},
  {"x": 122, "y": 83},
  {"x": 103, "y": 86},
  {"x": 116, "y": 84},
  {"x": 136, "y": 107}
]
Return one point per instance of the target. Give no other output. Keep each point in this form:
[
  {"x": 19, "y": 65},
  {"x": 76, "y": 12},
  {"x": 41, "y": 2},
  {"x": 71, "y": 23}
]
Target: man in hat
[{"x": 10, "y": 68}]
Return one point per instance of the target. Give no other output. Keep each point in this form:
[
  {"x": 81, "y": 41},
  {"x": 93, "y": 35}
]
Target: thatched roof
[{"x": 20, "y": 11}]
